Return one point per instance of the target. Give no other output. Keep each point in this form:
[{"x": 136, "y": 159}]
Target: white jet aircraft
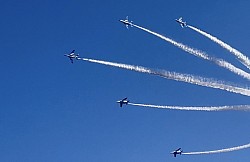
[
  {"x": 182, "y": 23},
  {"x": 126, "y": 22}
]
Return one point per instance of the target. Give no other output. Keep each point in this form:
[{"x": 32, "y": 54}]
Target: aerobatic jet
[
  {"x": 127, "y": 22},
  {"x": 178, "y": 151},
  {"x": 181, "y": 22},
  {"x": 72, "y": 56},
  {"x": 123, "y": 101}
]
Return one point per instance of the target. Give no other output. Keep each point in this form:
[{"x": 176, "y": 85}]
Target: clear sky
[{"x": 55, "y": 111}]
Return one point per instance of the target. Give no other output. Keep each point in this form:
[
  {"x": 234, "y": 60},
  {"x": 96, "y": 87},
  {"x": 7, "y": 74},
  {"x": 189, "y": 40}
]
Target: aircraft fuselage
[
  {"x": 182, "y": 23},
  {"x": 178, "y": 151},
  {"x": 126, "y": 22},
  {"x": 122, "y": 102}
]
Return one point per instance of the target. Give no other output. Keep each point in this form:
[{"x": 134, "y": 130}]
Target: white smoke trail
[
  {"x": 242, "y": 58},
  {"x": 179, "y": 45},
  {"x": 201, "y": 54},
  {"x": 219, "y": 151},
  {"x": 178, "y": 77},
  {"x": 197, "y": 108}
]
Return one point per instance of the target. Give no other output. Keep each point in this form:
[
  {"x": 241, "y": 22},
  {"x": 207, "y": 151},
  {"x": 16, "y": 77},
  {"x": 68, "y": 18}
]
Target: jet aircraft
[
  {"x": 127, "y": 22},
  {"x": 72, "y": 56},
  {"x": 181, "y": 22},
  {"x": 178, "y": 151},
  {"x": 123, "y": 101}
]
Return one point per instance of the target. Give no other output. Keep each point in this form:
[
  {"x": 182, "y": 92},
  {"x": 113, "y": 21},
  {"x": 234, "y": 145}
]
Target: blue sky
[{"x": 52, "y": 110}]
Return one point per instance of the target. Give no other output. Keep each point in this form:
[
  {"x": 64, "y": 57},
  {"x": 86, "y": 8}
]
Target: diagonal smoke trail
[
  {"x": 242, "y": 58},
  {"x": 177, "y": 44},
  {"x": 178, "y": 77},
  {"x": 198, "y": 53},
  {"x": 197, "y": 108},
  {"x": 219, "y": 151}
]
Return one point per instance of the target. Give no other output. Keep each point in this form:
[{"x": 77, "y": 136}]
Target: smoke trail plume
[
  {"x": 219, "y": 151},
  {"x": 198, "y": 53},
  {"x": 179, "y": 45},
  {"x": 178, "y": 77},
  {"x": 196, "y": 108},
  {"x": 242, "y": 58}
]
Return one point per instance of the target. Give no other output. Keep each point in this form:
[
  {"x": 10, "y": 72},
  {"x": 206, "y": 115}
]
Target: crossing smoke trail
[
  {"x": 200, "y": 54},
  {"x": 219, "y": 151},
  {"x": 178, "y": 77},
  {"x": 242, "y": 58},
  {"x": 196, "y": 108}
]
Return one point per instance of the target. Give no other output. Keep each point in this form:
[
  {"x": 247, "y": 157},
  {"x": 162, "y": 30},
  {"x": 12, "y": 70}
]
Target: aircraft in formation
[
  {"x": 181, "y": 22},
  {"x": 127, "y": 23},
  {"x": 178, "y": 151},
  {"x": 123, "y": 101},
  {"x": 72, "y": 56}
]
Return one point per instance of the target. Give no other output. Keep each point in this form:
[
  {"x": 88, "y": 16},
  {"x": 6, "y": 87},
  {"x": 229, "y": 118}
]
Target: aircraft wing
[
  {"x": 120, "y": 104},
  {"x": 71, "y": 60},
  {"x": 178, "y": 149}
]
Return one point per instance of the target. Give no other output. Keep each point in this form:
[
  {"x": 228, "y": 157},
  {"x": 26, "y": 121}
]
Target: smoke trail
[
  {"x": 197, "y": 108},
  {"x": 219, "y": 151},
  {"x": 242, "y": 58},
  {"x": 178, "y": 77},
  {"x": 179, "y": 45},
  {"x": 200, "y": 54}
]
